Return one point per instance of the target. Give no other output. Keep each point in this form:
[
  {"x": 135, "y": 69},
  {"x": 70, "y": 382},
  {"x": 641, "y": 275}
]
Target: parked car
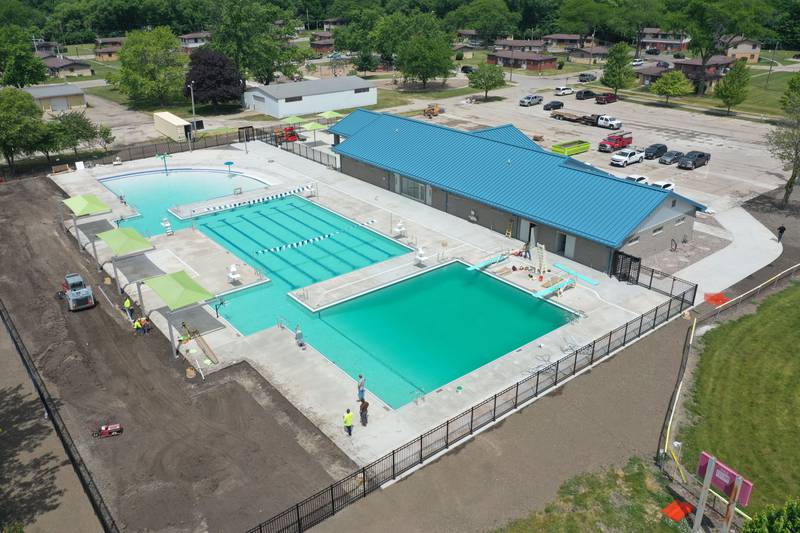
[
  {"x": 553, "y": 104},
  {"x": 584, "y": 77},
  {"x": 679, "y": 55},
  {"x": 530, "y": 99},
  {"x": 671, "y": 157},
  {"x": 655, "y": 151},
  {"x": 605, "y": 98},
  {"x": 637, "y": 62},
  {"x": 652, "y": 51},
  {"x": 563, "y": 91},
  {"x": 468, "y": 69},
  {"x": 693, "y": 159},
  {"x": 636, "y": 178},
  {"x": 666, "y": 185},
  {"x": 662, "y": 64},
  {"x": 585, "y": 94},
  {"x": 625, "y": 157}
]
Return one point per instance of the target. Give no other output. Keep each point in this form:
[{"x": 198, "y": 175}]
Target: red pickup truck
[
  {"x": 605, "y": 98},
  {"x": 616, "y": 141}
]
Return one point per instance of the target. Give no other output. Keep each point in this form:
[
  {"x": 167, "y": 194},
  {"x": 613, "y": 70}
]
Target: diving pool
[{"x": 409, "y": 338}]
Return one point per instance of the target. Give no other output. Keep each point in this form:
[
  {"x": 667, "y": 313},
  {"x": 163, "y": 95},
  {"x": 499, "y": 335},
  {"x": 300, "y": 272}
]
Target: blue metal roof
[
  {"x": 353, "y": 122},
  {"x": 537, "y": 185},
  {"x": 509, "y": 135}
]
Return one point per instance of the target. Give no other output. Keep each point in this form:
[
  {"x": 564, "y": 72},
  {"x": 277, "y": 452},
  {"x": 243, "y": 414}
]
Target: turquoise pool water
[{"x": 408, "y": 339}]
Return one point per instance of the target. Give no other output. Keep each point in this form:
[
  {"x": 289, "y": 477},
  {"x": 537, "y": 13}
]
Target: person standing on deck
[
  {"x": 363, "y": 411},
  {"x": 348, "y": 423},
  {"x": 362, "y": 387}
]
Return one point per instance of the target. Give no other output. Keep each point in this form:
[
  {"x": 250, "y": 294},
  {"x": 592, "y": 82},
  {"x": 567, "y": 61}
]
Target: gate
[{"x": 626, "y": 267}]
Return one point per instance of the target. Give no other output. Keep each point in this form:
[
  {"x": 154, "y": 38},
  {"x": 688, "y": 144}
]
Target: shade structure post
[
  {"x": 116, "y": 274},
  {"x": 75, "y": 227},
  {"x": 141, "y": 300},
  {"x": 172, "y": 344},
  {"x": 94, "y": 251}
]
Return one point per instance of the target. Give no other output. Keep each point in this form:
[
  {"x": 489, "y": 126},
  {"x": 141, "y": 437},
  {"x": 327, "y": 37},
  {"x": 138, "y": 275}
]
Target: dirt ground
[{"x": 215, "y": 456}]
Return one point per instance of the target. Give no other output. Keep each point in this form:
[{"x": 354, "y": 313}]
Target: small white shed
[
  {"x": 312, "y": 96},
  {"x": 172, "y": 126}
]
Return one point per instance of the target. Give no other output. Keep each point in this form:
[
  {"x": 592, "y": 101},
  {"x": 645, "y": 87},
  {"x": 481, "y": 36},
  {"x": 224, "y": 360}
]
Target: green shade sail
[
  {"x": 330, "y": 115},
  {"x": 314, "y": 126},
  {"x": 294, "y": 119},
  {"x": 86, "y": 204},
  {"x": 124, "y": 241},
  {"x": 178, "y": 290}
]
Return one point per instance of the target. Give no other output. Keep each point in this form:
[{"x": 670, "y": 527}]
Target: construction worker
[
  {"x": 137, "y": 326},
  {"x": 128, "y": 306},
  {"x": 348, "y": 423}
]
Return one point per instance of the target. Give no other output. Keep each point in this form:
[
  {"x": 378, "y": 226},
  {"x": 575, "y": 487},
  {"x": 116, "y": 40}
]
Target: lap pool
[{"x": 409, "y": 338}]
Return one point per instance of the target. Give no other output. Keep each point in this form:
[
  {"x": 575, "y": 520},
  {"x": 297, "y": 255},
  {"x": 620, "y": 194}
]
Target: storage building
[
  {"x": 312, "y": 96},
  {"x": 500, "y": 179},
  {"x": 57, "y": 97},
  {"x": 172, "y": 126}
]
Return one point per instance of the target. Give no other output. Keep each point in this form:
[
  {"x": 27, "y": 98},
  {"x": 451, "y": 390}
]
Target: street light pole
[
  {"x": 774, "y": 47},
  {"x": 194, "y": 118}
]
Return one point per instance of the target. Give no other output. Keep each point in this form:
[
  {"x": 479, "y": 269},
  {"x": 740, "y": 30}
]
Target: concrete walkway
[{"x": 753, "y": 247}]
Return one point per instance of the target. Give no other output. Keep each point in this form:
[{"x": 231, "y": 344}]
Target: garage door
[{"x": 59, "y": 103}]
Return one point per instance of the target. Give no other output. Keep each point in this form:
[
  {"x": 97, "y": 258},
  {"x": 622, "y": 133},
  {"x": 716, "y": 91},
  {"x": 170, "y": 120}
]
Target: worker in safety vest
[
  {"x": 348, "y": 423},
  {"x": 128, "y": 306}
]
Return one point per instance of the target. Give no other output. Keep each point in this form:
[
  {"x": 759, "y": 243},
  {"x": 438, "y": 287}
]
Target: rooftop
[
  {"x": 540, "y": 186},
  {"x": 467, "y": 32},
  {"x": 526, "y": 56},
  {"x": 53, "y": 90},
  {"x": 61, "y": 62},
  {"x": 108, "y": 40},
  {"x": 519, "y": 42},
  {"x": 107, "y": 49},
  {"x": 322, "y": 42},
  {"x": 312, "y": 87},
  {"x": 593, "y": 50},
  {"x": 712, "y": 62},
  {"x": 197, "y": 35},
  {"x": 564, "y": 36}
]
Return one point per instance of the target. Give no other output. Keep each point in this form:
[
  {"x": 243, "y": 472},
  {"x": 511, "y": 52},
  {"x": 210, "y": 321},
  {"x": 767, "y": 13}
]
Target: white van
[{"x": 561, "y": 91}]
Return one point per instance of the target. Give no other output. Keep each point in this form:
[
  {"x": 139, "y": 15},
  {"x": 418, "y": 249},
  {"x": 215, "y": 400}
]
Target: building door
[
  {"x": 59, "y": 103},
  {"x": 569, "y": 246},
  {"x": 531, "y": 233},
  {"x": 561, "y": 242}
]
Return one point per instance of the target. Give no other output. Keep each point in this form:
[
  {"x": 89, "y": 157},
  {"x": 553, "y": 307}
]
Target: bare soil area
[{"x": 219, "y": 455}]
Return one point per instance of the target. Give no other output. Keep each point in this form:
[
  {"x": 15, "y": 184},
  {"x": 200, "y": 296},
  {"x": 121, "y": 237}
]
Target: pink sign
[{"x": 724, "y": 479}]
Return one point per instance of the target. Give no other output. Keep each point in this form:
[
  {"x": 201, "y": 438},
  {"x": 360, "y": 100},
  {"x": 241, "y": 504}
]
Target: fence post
[
  {"x": 669, "y": 306},
  {"x": 610, "y": 334},
  {"x": 536, "y": 392},
  {"x": 297, "y": 515},
  {"x": 625, "y": 335},
  {"x": 650, "y": 285},
  {"x": 672, "y": 288},
  {"x": 394, "y": 474},
  {"x": 447, "y": 434},
  {"x": 516, "y": 396},
  {"x": 683, "y": 296},
  {"x": 641, "y": 322},
  {"x": 471, "y": 418},
  {"x": 364, "y": 478},
  {"x": 575, "y": 364},
  {"x": 420, "y": 449},
  {"x": 333, "y": 505},
  {"x": 555, "y": 381},
  {"x": 591, "y": 360}
]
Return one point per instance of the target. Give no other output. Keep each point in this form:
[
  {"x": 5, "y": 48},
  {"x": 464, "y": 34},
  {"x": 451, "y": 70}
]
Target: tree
[
  {"x": 47, "y": 139},
  {"x": 618, "y": 72},
  {"x": 785, "y": 519},
  {"x": 486, "y": 78},
  {"x": 20, "y": 117},
  {"x": 76, "y": 129},
  {"x": 356, "y": 34},
  {"x": 424, "y": 57},
  {"x": 365, "y": 60},
  {"x": 152, "y": 67},
  {"x": 732, "y": 89},
  {"x": 104, "y": 137},
  {"x": 271, "y": 55},
  {"x": 714, "y": 24},
  {"x": 633, "y": 16},
  {"x": 18, "y": 64},
  {"x": 672, "y": 83},
  {"x": 490, "y": 18},
  {"x": 583, "y": 17},
  {"x": 214, "y": 76},
  {"x": 784, "y": 140}
]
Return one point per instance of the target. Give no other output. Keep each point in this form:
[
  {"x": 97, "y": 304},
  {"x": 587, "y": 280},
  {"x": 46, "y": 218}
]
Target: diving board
[
  {"x": 550, "y": 290},
  {"x": 571, "y": 272},
  {"x": 488, "y": 262}
]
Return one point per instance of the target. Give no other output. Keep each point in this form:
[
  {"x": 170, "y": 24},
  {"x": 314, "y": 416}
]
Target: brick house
[
  {"x": 323, "y": 46},
  {"x": 663, "y": 41},
  {"x": 589, "y": 55},
  {"x": 470, "y": 37},
  {"x": 693, "y": 69},
  {"x": 524, "y": 60},
  {"x": 193, "y": 40},
  {"x": 521, "y": 45},
  {"x": 559, "y": 42},
  {"x": 61, "y": 67},
  {"x": 744, "y": 48},
  {"x": 107, "y": 53}
]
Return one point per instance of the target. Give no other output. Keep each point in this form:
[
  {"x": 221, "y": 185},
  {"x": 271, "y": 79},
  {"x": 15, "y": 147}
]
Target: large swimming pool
[{"x": 409, "y": 339}]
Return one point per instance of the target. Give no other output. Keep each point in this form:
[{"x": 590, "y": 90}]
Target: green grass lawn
[
  {"x": 626, "y": 499},
  {"x": 746, "y": 399},
  {"x": 784, "y": 57},
  {"x": 101, "y": 71},
  {"x": 80, "y": 49},
  {"x": 182, "y": 108},
  {"x": 434, "y": 93}
]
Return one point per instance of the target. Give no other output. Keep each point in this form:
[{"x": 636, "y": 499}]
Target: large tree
[
  {"x": 490, "y": 18},
  {"x": 18, "y": 65},
  {"x": 20, "y": 117},
  {"x": 584, "y": 17},
  {"x": 356, "y": 34},
  {"x": 213, "y": 76},
  {"x": 618, "y": 72},
  {"x": 773, "y": 519},
  {"x": 714, "y": 24},
  {"x": 391, "y": 31},
  {"x": 486, "y": 78},
  {"x": 425, "y": 55},
  {"x": 672, "y": 83},
  {"x": 76, "y": 129},
  {"x": 152, "y": 66},
  {"x": 784, "y": 140},
  {"x": 732, "y": 89}
]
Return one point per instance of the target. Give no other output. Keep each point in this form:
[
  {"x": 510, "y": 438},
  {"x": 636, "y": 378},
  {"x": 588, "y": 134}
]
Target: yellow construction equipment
[{"x": 433, "y": 110}]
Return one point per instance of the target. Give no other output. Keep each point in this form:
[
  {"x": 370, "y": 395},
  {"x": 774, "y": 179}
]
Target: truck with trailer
[
  {"x": 616, "y": 141},
  {"x": 601, "y": 121}
]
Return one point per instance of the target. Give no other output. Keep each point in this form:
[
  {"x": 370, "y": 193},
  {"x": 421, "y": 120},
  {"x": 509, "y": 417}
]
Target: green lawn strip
[
  {"x": 626, "y": 499},
  {"x": 745, "y": 400},
  {"x": 784, "y": 57},
  {"x": 182, "y": 108},
  {"x": 432, "y": 93},
  {"x": 79, "y": 49}
]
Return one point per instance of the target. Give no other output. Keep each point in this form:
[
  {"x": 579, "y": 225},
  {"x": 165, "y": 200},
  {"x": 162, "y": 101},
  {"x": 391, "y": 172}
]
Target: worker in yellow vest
[
  {"x": 128, "y": 306},
  {"x": 348, "y": 423}
]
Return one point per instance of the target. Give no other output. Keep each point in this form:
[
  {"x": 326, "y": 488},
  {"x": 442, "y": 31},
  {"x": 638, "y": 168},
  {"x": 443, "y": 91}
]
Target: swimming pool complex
[{"x": 409, "y": 338}]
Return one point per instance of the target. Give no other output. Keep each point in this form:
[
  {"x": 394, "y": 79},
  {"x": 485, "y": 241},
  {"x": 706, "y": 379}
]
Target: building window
[
  {"x": 633, "y": 241},
  {"x": 294, "y": 99},
  {"x": 362, "y": 90},
  {"x": 674, "y": 202},
  {"x": 413, "y": 189},
  {"x": 658, "y": 230},
  {"x": 680, "y": 221}
]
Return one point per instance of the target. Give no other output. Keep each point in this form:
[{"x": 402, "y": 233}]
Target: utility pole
[
  {"x": 194, "y": 118},
  {"x": 774, "y": 47}
]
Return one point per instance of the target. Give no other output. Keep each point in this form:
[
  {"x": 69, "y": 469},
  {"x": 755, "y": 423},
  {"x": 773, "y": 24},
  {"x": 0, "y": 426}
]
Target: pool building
[{"x": 499, "y": 179}]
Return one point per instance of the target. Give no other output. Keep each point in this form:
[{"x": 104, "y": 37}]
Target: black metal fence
[
  {"x": 142, "y": 151},
  {"x": 89, "y": 486},
  {"x": 332, "y": 499},
  {"x": 270, "y": 136}
]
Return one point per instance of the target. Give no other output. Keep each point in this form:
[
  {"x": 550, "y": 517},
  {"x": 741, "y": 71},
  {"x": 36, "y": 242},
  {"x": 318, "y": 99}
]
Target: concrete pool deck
[{"x": 316, "y": 386}]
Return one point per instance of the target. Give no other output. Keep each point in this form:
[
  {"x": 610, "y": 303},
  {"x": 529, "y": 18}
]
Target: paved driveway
[{"x": 128, "y": 126}]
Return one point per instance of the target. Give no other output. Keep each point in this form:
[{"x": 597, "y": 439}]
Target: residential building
[
  {"x": 61, "y": 67},
  {"x": 589, "y": 55},
  {"x": 524, "y": 60},
  {"x": 470, "y": 37},
  {"x": 560, "y": 42},
  {"x": 312, "y": 96},
  {"x": 464, "y": 49},
  {"x": 499, "y": 179},
  {"x": 190, "y": 41},
  {"x": 48, "y": 47},
  {"x": 744, "y": 48},
  {"x": 715, "y": 69},
  {"x": 320, "y": 34},
  {"x": 330, "y": 24},
  {"x": 57, "y": 97},
  {"x": 648, "y": 75},
  {"x": 323, "y": 46},
  {"x": 521, "y": 45},
  {"x": 663, "y": 40},
  {"x": 109, "y": 41},
  {"x": 107, "y": 53}
]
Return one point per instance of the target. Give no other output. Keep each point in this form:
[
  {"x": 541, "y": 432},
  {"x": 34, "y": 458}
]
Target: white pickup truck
[{"x": 626, "y": 156}]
